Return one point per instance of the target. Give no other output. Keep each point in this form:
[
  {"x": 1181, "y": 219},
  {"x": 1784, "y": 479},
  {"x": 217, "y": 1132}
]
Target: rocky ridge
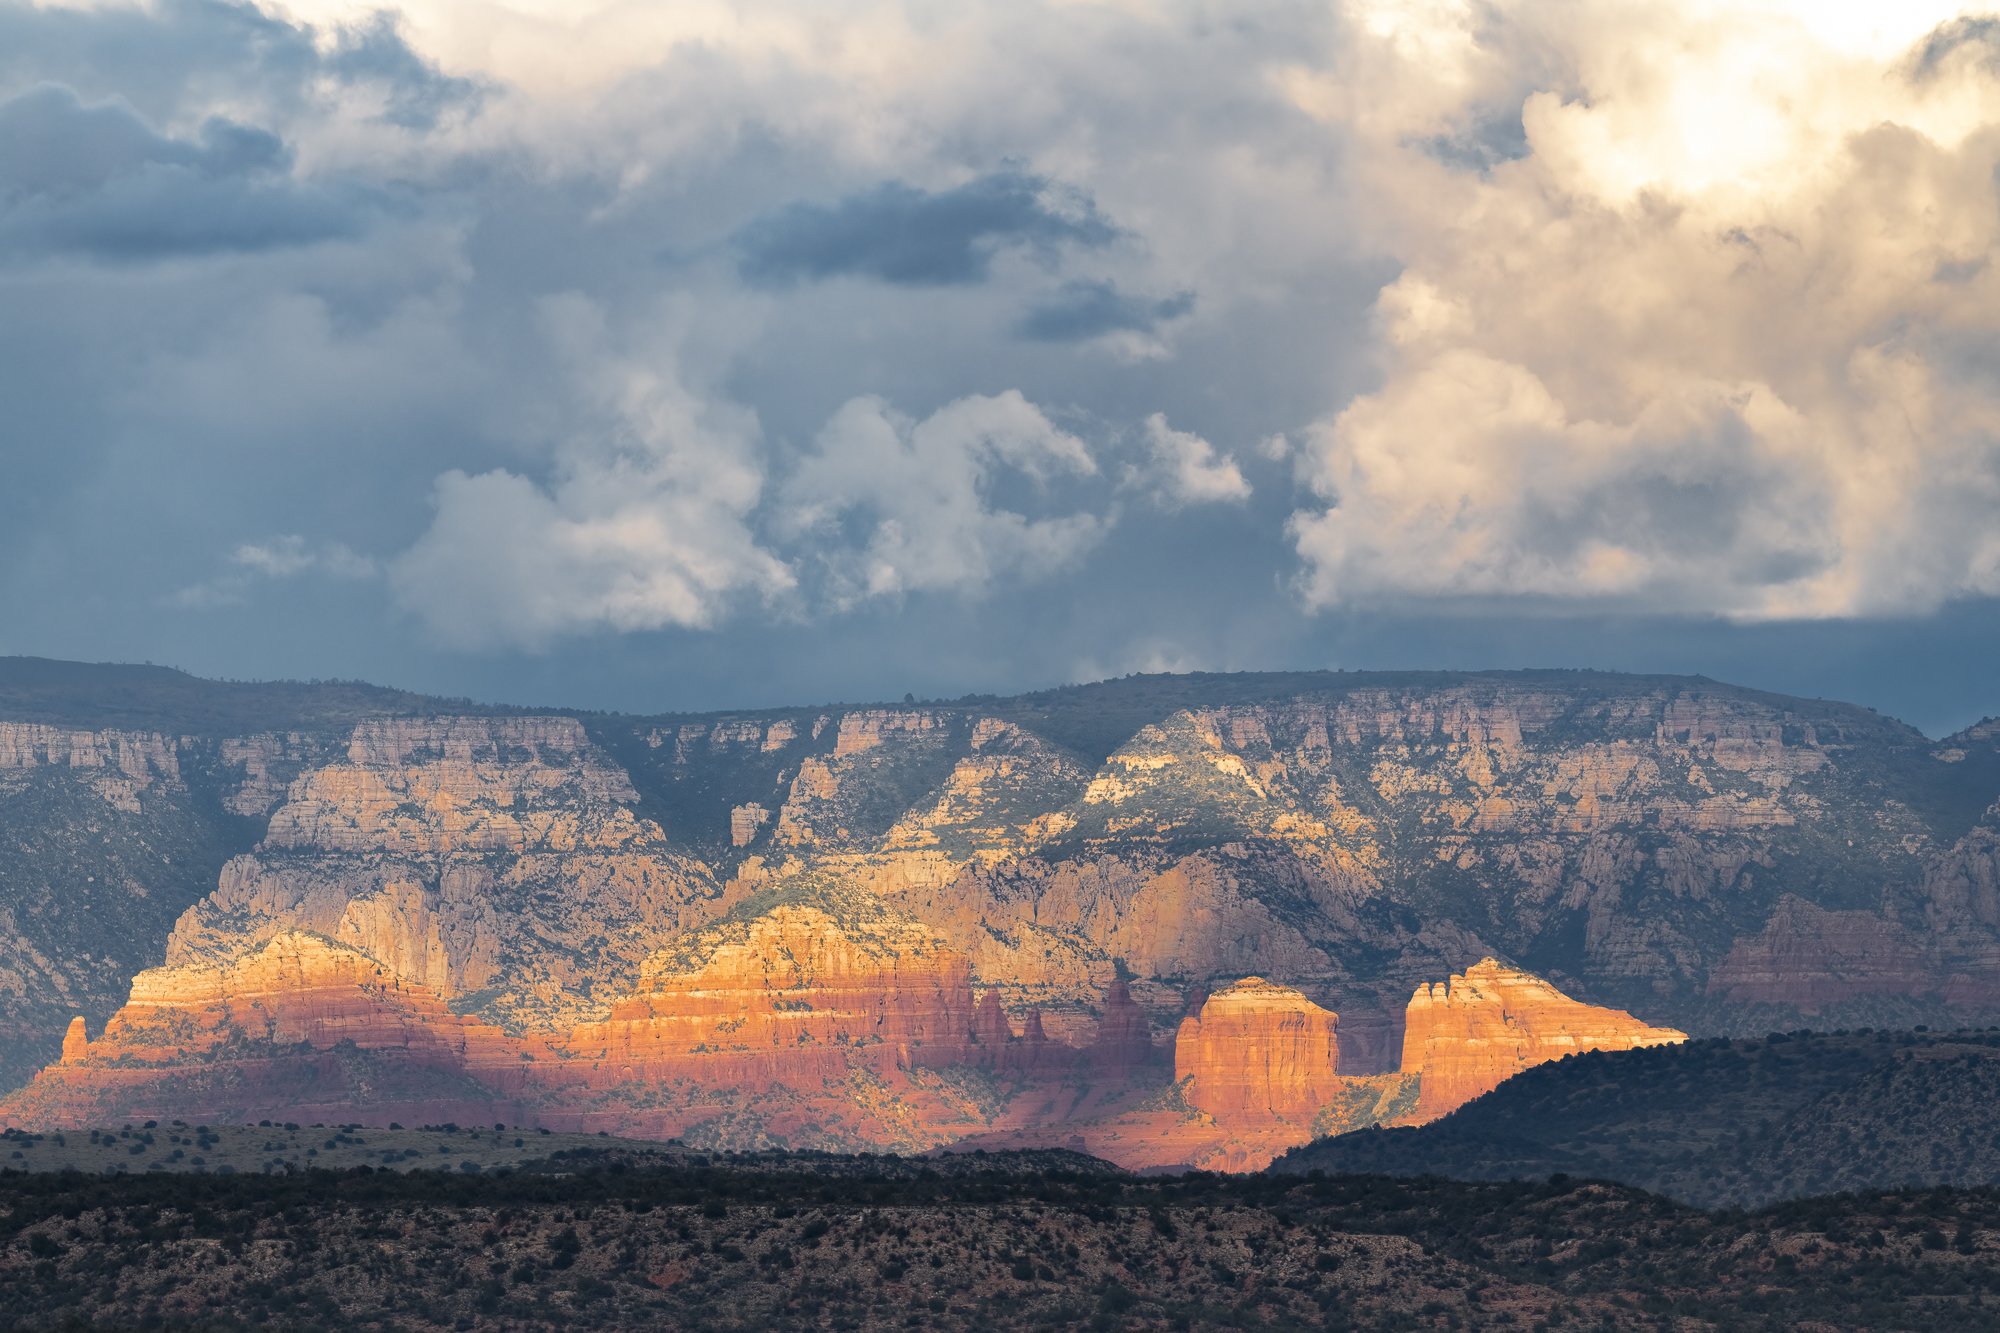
[{"x": 1071, "y": 867}]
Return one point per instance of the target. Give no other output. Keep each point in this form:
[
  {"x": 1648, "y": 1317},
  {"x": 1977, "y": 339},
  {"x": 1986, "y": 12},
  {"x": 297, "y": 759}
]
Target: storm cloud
[
  {"x": 97, "y": 181},
  {"x": 670, "y": 355},
  {"x": 1083, "y": 310},
  {"x": 896, "y": 233}
]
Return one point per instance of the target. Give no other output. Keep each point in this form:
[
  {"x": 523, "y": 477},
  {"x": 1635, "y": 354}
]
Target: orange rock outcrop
[
  {"x": 497, "y": 856},
  {"x": 264, "y": 1033},
  {"x": 1467, "y": 1035},
  {"x": 585, "y": 890},
  {"x": 794, "y": 995},
  {"x": 76, "y": 1041},
  {"x": 1258, "y": 1051}
]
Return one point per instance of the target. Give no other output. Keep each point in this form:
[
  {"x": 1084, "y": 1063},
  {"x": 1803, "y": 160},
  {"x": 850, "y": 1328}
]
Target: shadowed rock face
[{"x": 644, "y": 922}]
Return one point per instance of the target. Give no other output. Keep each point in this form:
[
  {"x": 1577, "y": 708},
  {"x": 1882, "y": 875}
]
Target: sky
[{"x": 662, "y": 356}]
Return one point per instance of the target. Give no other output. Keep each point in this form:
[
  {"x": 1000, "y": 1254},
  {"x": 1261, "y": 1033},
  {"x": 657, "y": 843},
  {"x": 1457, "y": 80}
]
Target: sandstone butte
[
  {"x": 1464, "y": 1036},
  {"x": 778, "y": 1021},
  {"x": 1257, "y": 1051}
]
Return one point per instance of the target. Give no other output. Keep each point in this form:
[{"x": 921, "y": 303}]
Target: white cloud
[
  {"x": 919, "y": 497},
  {"x": 289, "y": 555},
  {"x": 654, "y": 513},
  {"x": 643, "y": 525},
  {"x": 274, "y": 559},
  {"x": 1184, "y": 469},
  {"x": 1718, "y": 339}
]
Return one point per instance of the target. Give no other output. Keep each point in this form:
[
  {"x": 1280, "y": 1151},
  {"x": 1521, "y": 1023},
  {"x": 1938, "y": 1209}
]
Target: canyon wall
[{"x": 642, "y": 922}]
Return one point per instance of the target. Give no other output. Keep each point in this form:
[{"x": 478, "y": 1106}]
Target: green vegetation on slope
[
  {"x": 100, "y": 696},
  {"x": 1720, "y": 1122},
  {"x": 586, "y": 1240}
]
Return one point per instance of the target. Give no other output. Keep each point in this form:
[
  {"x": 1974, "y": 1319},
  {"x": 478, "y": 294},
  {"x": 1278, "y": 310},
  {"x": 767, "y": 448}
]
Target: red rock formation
[
  {"x": 1467, "y": 1035},
  {"x": 76, "y": 1041},
  {"x": 990, "y": 1029},
  {"x": 792, "y": 996},
  {"x": 1124, "y": 1038},
  {"x": 262, "y": 1035},
  {"x": 745, "y": 821},
  {"x": 1257, "y": 1052},
  {"x": 487, "y": 856},
  {"x": 1808, "y": 958}
]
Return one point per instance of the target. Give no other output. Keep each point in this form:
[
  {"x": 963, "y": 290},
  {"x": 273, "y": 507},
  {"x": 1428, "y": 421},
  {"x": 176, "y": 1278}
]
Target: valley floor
[{"x": 601, "y": 1236}]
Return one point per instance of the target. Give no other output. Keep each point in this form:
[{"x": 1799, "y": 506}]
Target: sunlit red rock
[
  {"x": 795, "y": 994},
  {"x": 264, "y": 1034},
  {"x": 1468, "y": 1034},
  {"x": 491, "y": 856},
  {"x": 502, "y": 866},
  {"x": 76, "y": 1041},
  {"x": 1257, "y": 1051}
]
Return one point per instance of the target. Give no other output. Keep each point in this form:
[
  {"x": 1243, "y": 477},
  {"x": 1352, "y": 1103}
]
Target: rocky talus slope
[{"x": 897, "y": 927}]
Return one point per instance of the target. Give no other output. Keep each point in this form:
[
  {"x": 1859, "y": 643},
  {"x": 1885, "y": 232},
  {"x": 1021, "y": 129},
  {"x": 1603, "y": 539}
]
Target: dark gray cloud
[
  {"x": 97, "y": 181},
  {"x": 163, "y": 56},
  {"x": 899, "y": 234},
  {"x": 1483, "y": 143},
  {"x": 1978, "y": 33},
  {"x": 1080, "y": 311},
  {"x": 375, "y": 54}
]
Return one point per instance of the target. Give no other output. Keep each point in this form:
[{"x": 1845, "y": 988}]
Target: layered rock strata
[
  {"x": 492, "y": 858},
  {"x": 264, "y": 1035},
  {"x": 1697, "y": 853},
  {"x": 1258, "y": 1051},
  {"x": 1468, "y": 1034}
]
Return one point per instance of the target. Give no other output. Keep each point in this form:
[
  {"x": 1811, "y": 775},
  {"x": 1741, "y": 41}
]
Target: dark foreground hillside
[
  {"x": 748, "y": 1243},
  {"x": 1718, "y": 1123}
]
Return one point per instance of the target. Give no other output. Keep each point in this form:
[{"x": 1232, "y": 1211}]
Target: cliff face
[
  {"x": 813, "y": 898},
  {"x": 300, "y": 1023},
  {"x": 106, "y": 836},
  {"x": 1258, "y": 1051},
  {"x": 788, "y": 996},
  {"x": 1467, "y": 1035},
  {"x": 493, "y": 861}
]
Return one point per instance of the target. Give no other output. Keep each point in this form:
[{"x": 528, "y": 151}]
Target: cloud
[
  {"x": 898, "y": 234},
  {"x": 375, "y": 55},
  {"x": 896, "y": 506},
  {"x": 1966, "y": 37},
  {"x": 1132, "y": 328},
  {"x": 1080, "y": 311},
  {"x": 1708, "y": 347},
  {"x": 273, "y": 560},
  {"x": 655, "y": 522},
  {"x": 644, "y": 523},
  {"x": 1183, "y": 469},
  {"x": 173, "y": 60},
  {"x": 624, "y": 330},
  {"x": 96, "y": 181}
]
